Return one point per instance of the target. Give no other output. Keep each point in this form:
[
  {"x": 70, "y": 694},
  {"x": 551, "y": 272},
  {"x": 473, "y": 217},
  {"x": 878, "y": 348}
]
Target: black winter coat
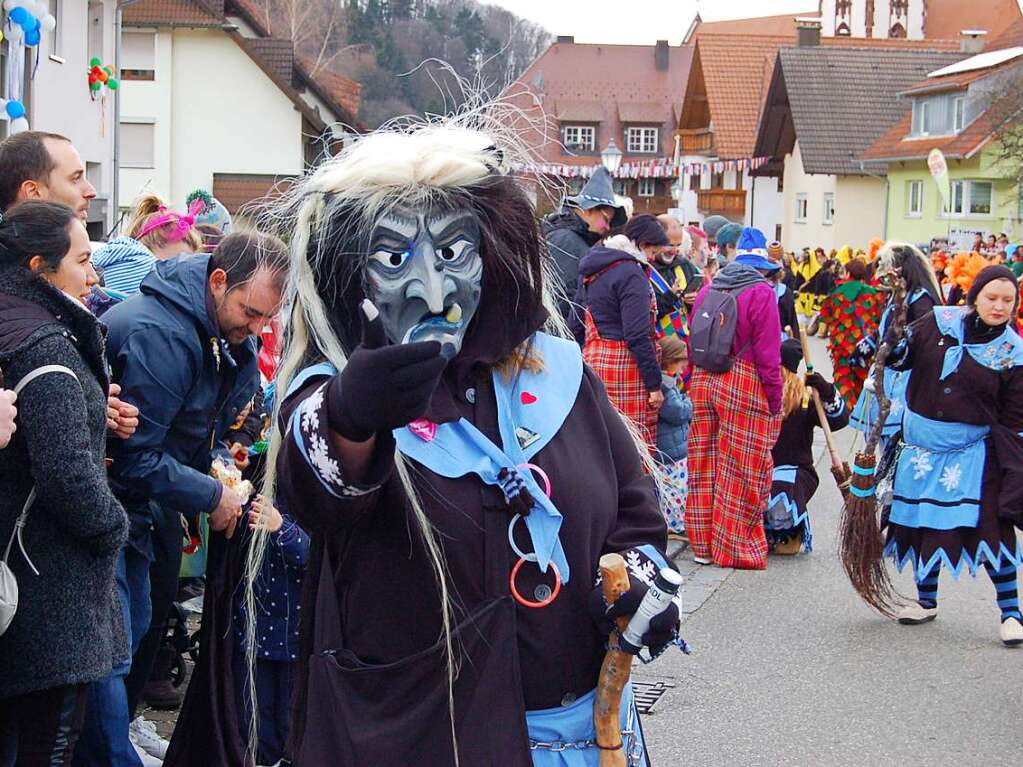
[
  {"x": 568, "y": 240},
  {"x": 68, "y": 628}
]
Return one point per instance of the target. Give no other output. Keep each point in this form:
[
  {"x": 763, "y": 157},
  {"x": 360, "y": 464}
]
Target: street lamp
[{"x": 611, "y": 157}]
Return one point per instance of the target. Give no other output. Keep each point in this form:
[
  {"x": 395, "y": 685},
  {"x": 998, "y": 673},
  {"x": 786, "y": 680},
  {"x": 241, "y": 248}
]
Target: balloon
[
  {"x": 95, "y": 71},
  {"x": 94, "y": 62},
  {"x": 92, "y": 79},
  {"x": 96, "y": 86},
  {"x": 15, "y": 109},
  {"x": 32, "y": 37},
  {"x": 103, "y": 77},
  {"x": 42, "y": 7},
  {"x": 15, "y": 34},
  {"x": 112, "y": 84},
  {"x": 10, "y": 5},
  {"x": 19, "y": 126},
  {"x": 49, "y": 23},
  {"x": 109, "y": 70},
  {"x": 20, "y": 16},
  {"x": 32, "y": 23},
  {"x": 1, "y": 35}
]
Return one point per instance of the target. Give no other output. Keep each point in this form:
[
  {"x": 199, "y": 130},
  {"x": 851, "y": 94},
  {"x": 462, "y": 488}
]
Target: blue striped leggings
[{"x": 1004, "y": 580}]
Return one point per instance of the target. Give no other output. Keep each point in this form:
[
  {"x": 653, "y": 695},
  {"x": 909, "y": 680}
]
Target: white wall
[
  {"x": 59, "y": 101},
  {"x": 765, "y": 205},
  {"x": 859, "y": 210},
  {"x": 215, "y": 112},
  {"x": 813, "y": 232}
]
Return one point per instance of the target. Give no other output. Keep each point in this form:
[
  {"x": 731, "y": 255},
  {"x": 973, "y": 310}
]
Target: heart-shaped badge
[
  {"x": 425, "y": 430},
  {"x": 527, "y": 398}
]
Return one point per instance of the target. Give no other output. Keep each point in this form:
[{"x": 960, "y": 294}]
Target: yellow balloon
[{"x": 1, "y": 35}]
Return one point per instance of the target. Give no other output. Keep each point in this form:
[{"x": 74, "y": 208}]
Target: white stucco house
[
  {"x": 210, "y": 101},
  {"x": 57, "y": 97}
]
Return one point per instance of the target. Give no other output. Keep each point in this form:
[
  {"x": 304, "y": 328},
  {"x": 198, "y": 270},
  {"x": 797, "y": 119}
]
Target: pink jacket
[{"x": 758, "y": 337}]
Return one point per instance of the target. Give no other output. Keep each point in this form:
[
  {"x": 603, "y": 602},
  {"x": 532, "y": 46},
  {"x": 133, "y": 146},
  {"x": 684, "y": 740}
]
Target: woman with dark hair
[
  {"x": 923, "y": 293},
  {"x": 850, "y": 312},
  {"x": 958, "y": 485},
  {"x": 617, "y": 335},
  {"x": 460, "y": 472},
  {"x": 68, "y": 629}
]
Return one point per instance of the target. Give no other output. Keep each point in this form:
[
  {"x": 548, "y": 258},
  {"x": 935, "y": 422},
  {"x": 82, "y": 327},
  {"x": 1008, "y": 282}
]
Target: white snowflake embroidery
[
  {"x": 922, "y": 465},
  {"x": 950, "y": 477},
  {"x": 896, "y": 407},
  {"x": 641, "y": 567},
  {"x": 322, "y": 462},
  {"x": 310, "y": 411}
]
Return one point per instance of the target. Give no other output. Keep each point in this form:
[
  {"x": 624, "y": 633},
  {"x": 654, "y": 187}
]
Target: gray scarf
[{"x": 735, "y": 276}]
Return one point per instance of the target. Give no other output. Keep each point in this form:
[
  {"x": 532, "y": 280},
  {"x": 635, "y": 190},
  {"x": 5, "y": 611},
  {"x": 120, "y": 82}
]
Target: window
[
  {"x": 578, "y": 138},
  {"x": 138, "y": 144},
  {"x": 642, "y": 140},
  {"x": 800, "y": 208},
  {"x": 138, "y": 55},
  {"x": 647, "y": 187},
  {"x": 829, "y": 209},
  {"x": 914, "y": 199},
  {"x": 941, "y": 115},
  {"x": 54, "y": 35},
  {"x": 620, "y": 187},
  {"x": 971, "y": 198}
]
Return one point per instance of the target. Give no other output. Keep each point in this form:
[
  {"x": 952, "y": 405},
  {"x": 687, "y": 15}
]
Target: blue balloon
[
  {"x": 32, "y": 37},
  {"x": 15, "y": 109},
  {"x": 32, "y": 23},
  {"x": 20, "y": 16}
]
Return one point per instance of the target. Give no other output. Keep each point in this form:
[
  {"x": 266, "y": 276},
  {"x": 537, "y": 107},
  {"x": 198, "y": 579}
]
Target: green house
[{"x": 953, "y": 110}]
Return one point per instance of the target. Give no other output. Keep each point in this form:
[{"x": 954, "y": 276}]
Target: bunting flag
[{"x": 667, "y": 167}]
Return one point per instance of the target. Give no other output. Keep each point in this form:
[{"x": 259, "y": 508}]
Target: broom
[
  {"x": 861, "y": 544},
  {"x": 839, "y": 468}
]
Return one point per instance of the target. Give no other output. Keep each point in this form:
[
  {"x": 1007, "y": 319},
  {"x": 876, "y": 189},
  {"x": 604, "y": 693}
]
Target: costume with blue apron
[
  {"x": 941, "y": 508},
  {"x": 866, "y": 412},
  {"x": 531, "y": 408}
]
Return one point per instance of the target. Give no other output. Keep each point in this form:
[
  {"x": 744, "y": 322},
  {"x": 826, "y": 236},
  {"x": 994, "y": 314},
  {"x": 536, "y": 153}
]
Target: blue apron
[{"x": 564, "y": 736}]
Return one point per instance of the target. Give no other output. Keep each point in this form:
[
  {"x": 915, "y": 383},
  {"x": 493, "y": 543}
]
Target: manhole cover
[{"x": 647, "y": 694}]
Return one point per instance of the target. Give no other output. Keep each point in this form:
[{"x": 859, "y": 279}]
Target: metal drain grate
[{"x": 647, "y": 694}]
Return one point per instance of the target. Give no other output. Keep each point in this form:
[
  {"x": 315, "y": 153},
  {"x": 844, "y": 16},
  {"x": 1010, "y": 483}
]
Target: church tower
[{"x": 873, "y": 18}]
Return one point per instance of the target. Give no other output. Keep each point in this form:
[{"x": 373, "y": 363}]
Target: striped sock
[
  {"x": 1005, "y": 590},
  {"x": 927, "y": 589}
]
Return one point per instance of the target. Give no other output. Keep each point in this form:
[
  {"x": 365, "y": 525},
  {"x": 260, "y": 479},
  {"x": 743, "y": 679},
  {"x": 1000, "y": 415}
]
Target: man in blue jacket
[{"x": 184, "y": 351}]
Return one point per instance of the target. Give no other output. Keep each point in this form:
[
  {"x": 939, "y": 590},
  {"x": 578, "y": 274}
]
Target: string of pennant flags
[{"x": 660, "y": 168}]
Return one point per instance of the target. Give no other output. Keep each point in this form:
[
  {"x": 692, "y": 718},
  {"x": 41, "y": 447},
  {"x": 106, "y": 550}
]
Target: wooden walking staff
[
  {"x": 861, "y": 544},
  {"x": 839, "y": 468},
  {"x": 614, "y": 672}
]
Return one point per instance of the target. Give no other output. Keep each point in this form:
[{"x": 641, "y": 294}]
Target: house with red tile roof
[
  {"x": 915, "y": 19},
  {"x": 956, "y": 110},
  {"x": 210, "y": 100},
  {"x": 721, "y": 113},
  {"x": 576, "y": 99}
]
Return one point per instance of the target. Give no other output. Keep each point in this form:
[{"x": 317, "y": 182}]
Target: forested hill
[{"x": 383, "y": 45}]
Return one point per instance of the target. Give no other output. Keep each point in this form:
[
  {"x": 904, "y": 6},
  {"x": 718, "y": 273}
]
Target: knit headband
[
  {"x": 986, "y": 275},
  {"x": 184, "y": 222}
]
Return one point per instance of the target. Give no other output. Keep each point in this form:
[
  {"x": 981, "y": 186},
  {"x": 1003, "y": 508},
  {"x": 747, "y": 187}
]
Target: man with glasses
[{"x": 676, "y": 268}]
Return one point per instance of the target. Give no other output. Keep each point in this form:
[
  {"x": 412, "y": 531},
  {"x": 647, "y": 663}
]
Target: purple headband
[{"x": 185, "y": 222}]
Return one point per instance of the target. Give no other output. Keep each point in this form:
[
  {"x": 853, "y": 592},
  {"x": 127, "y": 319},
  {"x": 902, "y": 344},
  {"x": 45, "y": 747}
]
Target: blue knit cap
[{"x": 728, "y": 235}]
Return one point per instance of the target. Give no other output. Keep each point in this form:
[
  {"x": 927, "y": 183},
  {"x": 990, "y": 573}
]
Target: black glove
[
  {"x": 818, "y": 382},
  {"x": 663, "y": 629},
  {"x": 382, "y": 387}
]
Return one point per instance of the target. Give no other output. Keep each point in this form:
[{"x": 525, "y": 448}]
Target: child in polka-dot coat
[{"x": 278, "y": 591}]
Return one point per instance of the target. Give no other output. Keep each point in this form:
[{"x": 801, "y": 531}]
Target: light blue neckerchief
[
  {"x": 1002, "y": 353},
  {"x": 531, "y": 409}
]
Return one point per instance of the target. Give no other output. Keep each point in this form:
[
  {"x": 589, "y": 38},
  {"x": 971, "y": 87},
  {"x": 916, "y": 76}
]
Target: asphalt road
[{"x": 791, "y": 668}]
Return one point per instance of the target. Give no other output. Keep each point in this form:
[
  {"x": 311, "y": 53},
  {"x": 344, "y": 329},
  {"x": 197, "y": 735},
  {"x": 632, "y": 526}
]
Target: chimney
[
  {"x": 661, "y": 55},
  {"x": 972, "y": 40},
  {"x": 568, "y": 39},
  {"x": 808, "y": 32}
]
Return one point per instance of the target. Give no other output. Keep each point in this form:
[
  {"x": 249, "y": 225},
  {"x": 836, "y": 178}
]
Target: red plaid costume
[
  {"x": 616, "y": 367},
  {"x": 730, "y": 466}
]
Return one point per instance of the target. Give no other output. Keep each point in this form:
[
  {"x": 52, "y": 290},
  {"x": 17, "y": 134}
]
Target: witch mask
[{"x": 425, "y": 274}]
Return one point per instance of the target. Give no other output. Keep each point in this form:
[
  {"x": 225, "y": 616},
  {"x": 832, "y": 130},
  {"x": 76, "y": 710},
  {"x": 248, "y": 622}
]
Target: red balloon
[{"x": 92, "y": 79}]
